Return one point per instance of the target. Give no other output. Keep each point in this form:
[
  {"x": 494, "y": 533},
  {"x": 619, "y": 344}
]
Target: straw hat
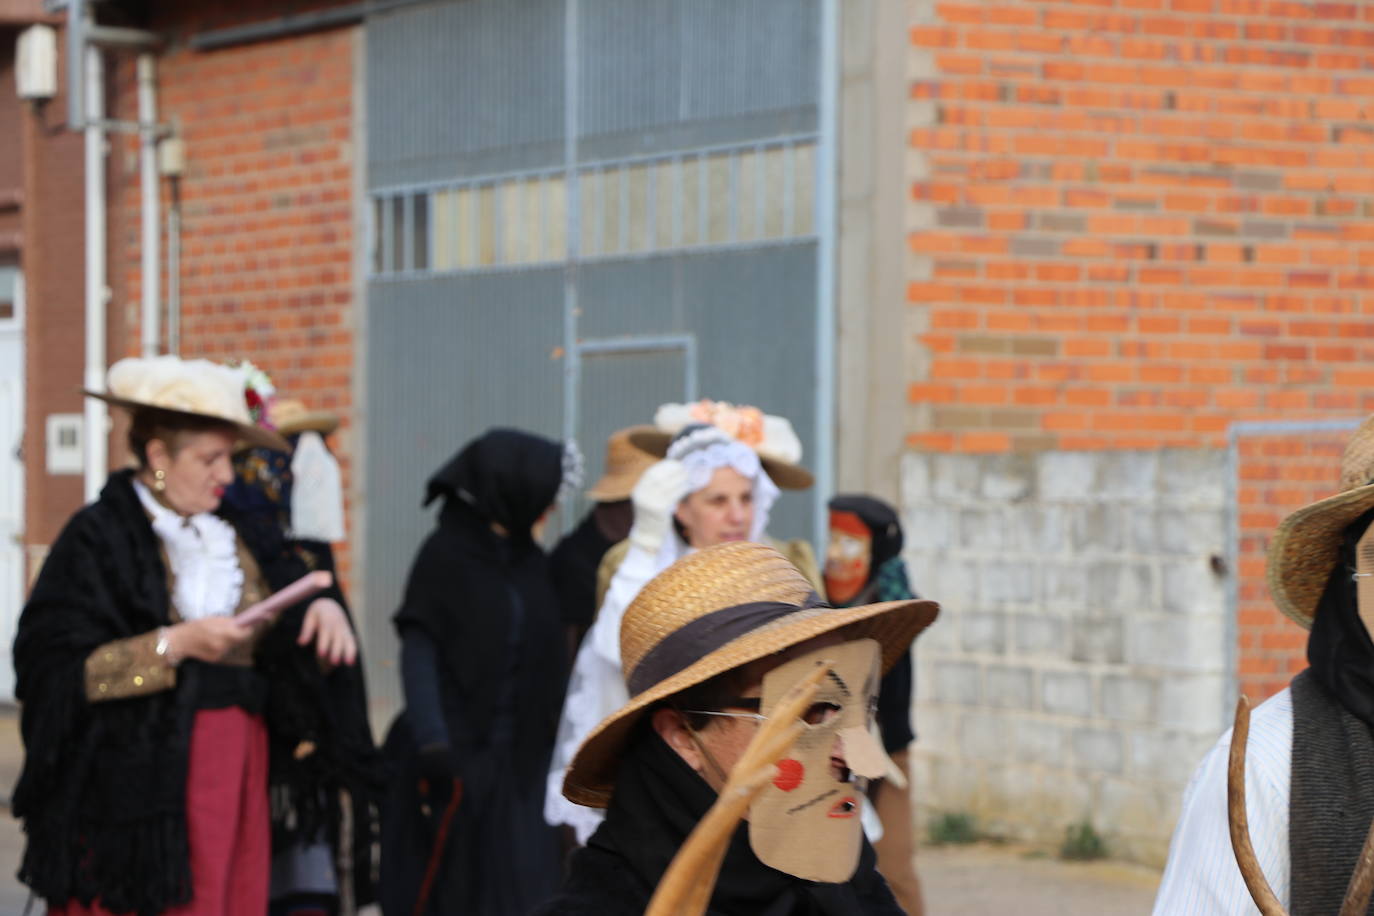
[
  {"x": 624, "y": 464},
  {"x": 193, "y": 387},
  {"x": 691, "y": 608},
  {"x": 1307, "y": 544},
  {"x": 772, "y": 437},
  {"x": 290, "y": 415}
]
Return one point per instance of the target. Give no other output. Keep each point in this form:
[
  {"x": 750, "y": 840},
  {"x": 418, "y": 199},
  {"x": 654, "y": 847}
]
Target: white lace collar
[{"x": 203, "y": 554}]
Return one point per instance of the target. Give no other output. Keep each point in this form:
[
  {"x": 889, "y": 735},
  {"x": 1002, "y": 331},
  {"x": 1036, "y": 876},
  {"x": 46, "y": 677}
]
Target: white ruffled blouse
[{"x": 202, "y": 550}]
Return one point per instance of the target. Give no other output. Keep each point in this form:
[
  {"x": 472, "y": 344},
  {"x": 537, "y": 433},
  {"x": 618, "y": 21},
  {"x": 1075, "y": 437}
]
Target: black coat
[
  {"x": 484, "y": 604},
  {"x": 102, "y": 791}
]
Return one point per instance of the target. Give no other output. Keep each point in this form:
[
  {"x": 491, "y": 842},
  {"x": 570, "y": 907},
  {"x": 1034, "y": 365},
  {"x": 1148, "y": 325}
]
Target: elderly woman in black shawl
[
  {"x": 165, "y": 740},
  {"x": 482, "y": 662}
]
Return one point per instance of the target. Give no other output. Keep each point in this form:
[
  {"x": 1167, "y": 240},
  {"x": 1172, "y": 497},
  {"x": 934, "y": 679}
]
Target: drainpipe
[
  {"x": 97, "y": 435},
  {"x": 148, "y": 184},
  {"x": 174, "y": 267}
]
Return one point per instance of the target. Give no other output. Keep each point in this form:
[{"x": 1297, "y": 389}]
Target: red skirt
[{"x": 227, "y": 819}]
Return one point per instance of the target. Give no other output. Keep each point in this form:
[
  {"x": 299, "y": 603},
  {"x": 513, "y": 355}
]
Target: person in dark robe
[
  {"x": 483, "y": 665},
  {"x": 167, "y": 744},
  {"x": 864, "y": 564},
  {"x": 574, "y": 562},
  {"x": 304, "y": 873}
]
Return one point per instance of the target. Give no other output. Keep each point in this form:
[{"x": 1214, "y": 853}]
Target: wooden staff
[
  {"x": 686, "y": 886},
  {"x": 440, "y": 840}
]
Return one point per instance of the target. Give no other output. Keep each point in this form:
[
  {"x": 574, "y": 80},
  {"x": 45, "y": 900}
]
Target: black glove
[{"x": 438, "y": 769}]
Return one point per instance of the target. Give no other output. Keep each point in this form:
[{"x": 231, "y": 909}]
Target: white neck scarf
[
  {"x": 317, "y": 512},
  {"x": 202, "y": 551}
]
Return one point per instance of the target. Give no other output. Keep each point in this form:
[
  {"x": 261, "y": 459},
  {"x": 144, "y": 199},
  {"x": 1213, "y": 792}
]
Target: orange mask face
[{"x": 848, "y": 557}]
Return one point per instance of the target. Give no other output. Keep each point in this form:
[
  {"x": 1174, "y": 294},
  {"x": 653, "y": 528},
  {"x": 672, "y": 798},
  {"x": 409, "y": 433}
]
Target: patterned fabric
[
  {"x": 262, "y": 483},
  {"x": 891, "y": 583}
]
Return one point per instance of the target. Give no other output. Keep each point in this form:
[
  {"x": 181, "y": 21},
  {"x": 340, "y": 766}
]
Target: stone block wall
[{"x": 1082, "y": 662}]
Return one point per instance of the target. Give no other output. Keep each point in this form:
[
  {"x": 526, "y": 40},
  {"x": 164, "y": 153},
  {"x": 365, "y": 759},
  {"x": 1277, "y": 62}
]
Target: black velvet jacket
[{"x": 102, "y": 792}]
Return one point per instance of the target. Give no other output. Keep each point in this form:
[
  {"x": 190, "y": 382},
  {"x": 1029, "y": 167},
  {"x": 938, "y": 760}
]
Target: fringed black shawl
[{"x": 102, "y": 792}]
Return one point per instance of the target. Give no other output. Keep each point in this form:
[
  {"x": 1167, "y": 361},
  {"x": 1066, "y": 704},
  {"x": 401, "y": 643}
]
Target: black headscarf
[
  {"x": 1339, "y": 648},
  {"x": 658, "y": 800},
  {"x": 509, "y": 476},
  {"x": 485, "y": 600}
]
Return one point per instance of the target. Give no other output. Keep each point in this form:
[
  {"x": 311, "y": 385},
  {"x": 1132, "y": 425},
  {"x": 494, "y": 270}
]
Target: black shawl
[
  {"x": 658, "y": 800},
  {"x": 102, "y": 791},
  {"x": 468, "y": 585}
]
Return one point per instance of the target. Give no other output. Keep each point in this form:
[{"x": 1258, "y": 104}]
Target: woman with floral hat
[
  {"x": 710, "y": 488},
  {"x": 154, "y": 722}
]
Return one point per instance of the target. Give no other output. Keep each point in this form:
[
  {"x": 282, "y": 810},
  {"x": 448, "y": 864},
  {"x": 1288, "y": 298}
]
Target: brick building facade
[{"x": 1138, "y": 230}]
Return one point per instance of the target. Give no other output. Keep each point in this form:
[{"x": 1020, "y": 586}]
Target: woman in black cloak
[{"x": 482, "y": 663}]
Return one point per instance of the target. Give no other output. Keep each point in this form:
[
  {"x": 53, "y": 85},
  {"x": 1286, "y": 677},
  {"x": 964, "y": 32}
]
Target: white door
[{"x": 11, "y": 467}]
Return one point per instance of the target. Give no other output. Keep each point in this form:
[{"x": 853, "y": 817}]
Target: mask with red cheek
[{"x": 806, "y": 821}]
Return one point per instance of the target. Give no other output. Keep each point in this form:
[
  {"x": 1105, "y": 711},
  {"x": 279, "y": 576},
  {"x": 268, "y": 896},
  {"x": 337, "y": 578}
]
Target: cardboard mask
[
  {"x": 848, "y": 558},
  {"x": 806, "y": 821}
]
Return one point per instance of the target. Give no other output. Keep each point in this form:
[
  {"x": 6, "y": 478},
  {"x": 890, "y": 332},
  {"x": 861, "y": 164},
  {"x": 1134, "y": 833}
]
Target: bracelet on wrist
[{"x": 164, "y": 646}]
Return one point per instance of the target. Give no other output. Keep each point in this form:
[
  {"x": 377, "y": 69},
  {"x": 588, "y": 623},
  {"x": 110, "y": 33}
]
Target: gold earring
[{"x": 159, "y": 480}]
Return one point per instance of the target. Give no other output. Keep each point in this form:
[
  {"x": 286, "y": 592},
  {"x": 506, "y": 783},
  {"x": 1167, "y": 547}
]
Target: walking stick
[
  {"x": 685, "y": 889},
  {"x": 440, "y": 840}
]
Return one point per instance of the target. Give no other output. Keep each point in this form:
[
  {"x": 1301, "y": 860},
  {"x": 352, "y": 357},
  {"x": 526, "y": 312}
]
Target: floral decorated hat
[
  {"x": 772, "y": 437},
  {"x": 194, "y": 387}
]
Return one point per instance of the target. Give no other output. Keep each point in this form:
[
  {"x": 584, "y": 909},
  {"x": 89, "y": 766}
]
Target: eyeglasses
[{"x": 819, "y": 713}]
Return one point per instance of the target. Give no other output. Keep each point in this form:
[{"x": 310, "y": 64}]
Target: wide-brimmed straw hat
[
  {"x": 1307, "y": 544},
  {"x": 772, "y": 437},
  {"x": 290, "y": 415},
  {"x": 624, "y": 465},
  {"x": 712, "y": 611},
  {"x": 195, "y": 388}
]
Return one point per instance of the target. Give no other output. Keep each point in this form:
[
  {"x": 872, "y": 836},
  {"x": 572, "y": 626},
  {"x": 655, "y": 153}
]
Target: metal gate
[{"x": 580, "y": 209}]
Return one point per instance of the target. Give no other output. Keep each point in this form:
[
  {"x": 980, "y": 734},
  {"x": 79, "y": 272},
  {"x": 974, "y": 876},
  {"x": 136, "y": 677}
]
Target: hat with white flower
[
  {"x": 772, "y": 437},
  {"x": 193, "y": 387}
]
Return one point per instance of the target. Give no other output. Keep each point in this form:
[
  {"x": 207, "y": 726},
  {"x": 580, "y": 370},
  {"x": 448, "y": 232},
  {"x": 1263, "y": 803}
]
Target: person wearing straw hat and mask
[
  {"x": 1308, "y": 762},
  {"x": 150, "y": 747},
  {"x": 574, "y": 562},
  {"x": 710, "y": 646},
  {"x": 709, "y": 488}
]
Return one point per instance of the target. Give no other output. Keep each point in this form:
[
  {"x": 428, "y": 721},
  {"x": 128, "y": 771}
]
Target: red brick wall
[
  {"x": 267, "y": 203},
  {"x": 52, "y": 161},
  {"x": 1143, "y": 219},
  {"x": 1135, "y": 222},
  {"x": 1277, "y": 473}
]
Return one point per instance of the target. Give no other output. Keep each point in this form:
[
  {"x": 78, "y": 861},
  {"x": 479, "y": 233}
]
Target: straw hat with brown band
[
  {"x": 290, "y": 415},
  {"x": 194, "y": 388},
  {"x": 772, "y": 437},
  {"x": 1307, "y": 544},
  {"x": 712, "y": 611},
  {"x": 624, "y": 464}
]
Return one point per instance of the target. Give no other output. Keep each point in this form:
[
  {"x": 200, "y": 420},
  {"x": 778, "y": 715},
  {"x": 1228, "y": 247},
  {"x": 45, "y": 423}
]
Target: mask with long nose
[{"x": 806, "y": 821}]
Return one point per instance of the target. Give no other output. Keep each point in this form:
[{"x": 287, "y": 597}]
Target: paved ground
[
  {"x": 958, "y": 880},
  {"x": 1004, "y": 880}
]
